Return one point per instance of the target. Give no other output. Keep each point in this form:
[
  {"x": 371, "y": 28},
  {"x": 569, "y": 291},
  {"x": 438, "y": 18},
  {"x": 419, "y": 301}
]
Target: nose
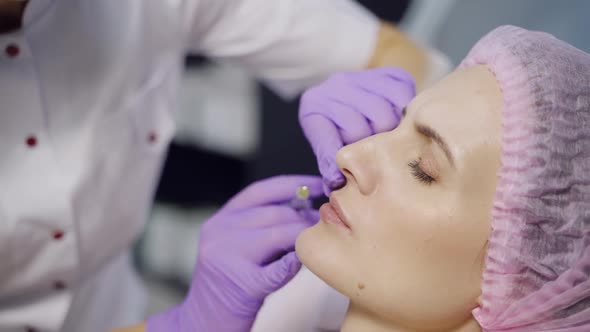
[{"x": 357, "y": 163}]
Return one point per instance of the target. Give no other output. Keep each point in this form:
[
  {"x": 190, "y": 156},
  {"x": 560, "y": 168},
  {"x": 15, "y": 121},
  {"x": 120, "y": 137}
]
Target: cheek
[
  {"x": 395, "y": 234},
  {"x": 419, "y": 250},
  {"x": 398, "y": 235},
  {"x": 424, "y": 235},
  {"x": 400, "y": 215}
]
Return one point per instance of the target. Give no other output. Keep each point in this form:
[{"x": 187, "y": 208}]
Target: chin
[{"x": 323, "y": 252}]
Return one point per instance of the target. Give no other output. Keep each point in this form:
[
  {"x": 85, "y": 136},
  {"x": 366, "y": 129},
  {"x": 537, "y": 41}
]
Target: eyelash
[{"x": 419, "y": 174}]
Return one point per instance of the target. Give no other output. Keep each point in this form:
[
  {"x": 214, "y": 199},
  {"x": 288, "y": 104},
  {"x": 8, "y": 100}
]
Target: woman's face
[{"x": 416, "y": 206}]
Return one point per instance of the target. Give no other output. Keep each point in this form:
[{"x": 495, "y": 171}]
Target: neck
[
  {"x": 11, "y": 14},
  {"x": 359, "y": 319}
]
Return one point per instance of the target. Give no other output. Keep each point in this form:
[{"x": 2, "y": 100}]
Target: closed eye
[{"x": 419, "y": 174}]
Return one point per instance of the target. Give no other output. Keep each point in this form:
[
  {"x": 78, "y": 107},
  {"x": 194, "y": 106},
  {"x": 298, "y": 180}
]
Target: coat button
[
  {"x": 31, "y": 141},
  {"x": 59, "y": 285},
  {"x": 152, "y": 137},
  {"x": 12, "y": 50},
  {"x": 58, "y": 234}
]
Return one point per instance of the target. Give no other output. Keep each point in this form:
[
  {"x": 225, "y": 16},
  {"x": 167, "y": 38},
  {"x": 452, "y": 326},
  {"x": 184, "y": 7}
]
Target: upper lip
[{"x": 338, "y": 209}]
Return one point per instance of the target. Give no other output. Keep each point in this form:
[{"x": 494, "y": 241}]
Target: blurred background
[{"x": 233, "y": 130}]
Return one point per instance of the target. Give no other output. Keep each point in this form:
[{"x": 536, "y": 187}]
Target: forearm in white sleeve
[{"x": 291, "y": 44}]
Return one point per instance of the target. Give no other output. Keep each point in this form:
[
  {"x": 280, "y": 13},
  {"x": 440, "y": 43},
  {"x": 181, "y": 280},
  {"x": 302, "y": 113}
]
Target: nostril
[
  {"x": 348, "y": 176},
  {"x": 345, "y": 171}
]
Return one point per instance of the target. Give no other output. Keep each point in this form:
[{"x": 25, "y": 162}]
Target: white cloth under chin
[{"x": 305, "y": 304}]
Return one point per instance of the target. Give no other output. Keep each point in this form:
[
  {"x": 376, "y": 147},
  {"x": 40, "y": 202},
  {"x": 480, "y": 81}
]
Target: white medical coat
[{"x": 87, "y": 88}]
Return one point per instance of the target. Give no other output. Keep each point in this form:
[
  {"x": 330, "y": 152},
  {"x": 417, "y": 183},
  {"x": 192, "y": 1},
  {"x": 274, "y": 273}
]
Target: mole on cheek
[{"x": 360, "y": 286}]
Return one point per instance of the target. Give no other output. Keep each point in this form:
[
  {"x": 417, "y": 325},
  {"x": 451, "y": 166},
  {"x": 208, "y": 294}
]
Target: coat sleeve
[{"x": 290, "y": 44}]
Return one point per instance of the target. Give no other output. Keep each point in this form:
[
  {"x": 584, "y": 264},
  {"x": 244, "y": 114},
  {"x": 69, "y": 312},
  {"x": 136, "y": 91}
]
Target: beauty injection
[{"x": 301, "y": 202}]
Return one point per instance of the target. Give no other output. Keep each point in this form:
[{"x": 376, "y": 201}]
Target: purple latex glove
[
  {"x": 246, "y": 252},
  {"x": 351, "y": 106}
]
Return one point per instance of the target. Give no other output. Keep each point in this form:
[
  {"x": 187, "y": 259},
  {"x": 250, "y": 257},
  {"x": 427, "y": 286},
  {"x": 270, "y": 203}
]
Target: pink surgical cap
[{"x": 537, "y": 274}]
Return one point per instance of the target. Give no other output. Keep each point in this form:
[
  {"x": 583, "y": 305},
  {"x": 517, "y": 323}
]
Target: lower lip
[{"x": 329, "y": 215}]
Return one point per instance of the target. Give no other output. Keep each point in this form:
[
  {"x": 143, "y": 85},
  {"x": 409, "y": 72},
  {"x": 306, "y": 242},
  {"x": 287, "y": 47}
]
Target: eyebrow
[{"x": 432, "y": 134}]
